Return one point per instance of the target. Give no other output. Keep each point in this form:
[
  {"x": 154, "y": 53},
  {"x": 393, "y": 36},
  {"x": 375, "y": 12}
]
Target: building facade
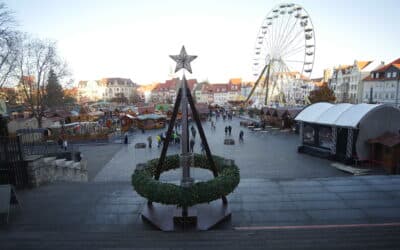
[
  {"x": 293, "y": 87},
  {"x": 382, "y": 85},
  {"x": 346, "y": 80},
  {"x": 166, "y": 92},
  {"x": 105, "y": 89}
]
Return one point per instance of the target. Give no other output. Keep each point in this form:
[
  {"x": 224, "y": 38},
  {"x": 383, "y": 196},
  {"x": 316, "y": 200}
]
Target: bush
[{"x": 201, "y": 192}]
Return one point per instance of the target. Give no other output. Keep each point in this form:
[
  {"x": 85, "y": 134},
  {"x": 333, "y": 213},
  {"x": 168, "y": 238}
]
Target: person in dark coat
[
  {"x": 149, "y": 140},
  {"x": 230, "y": 130},
  {"x": 241, "y": 134},
  {"x": 193, "y": 132},
  {"x": 226, "y": 130}
]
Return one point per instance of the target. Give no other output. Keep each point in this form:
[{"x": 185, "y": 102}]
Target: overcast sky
[{"x": 133, "y": 38}]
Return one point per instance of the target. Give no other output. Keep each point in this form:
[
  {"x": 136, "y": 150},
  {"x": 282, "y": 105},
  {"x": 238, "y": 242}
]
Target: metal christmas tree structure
[{"x": 194, "y": 216}]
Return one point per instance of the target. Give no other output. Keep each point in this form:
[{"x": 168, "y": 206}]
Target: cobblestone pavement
[{"x": 271, "y": 155}]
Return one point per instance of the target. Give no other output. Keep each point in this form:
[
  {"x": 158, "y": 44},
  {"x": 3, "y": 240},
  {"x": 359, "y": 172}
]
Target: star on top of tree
[{"x": 183, "y": 60}]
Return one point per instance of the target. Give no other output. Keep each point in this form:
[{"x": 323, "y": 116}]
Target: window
[
  {"x": 389, "y": 74},
  {"x": 394, "y": 74}
]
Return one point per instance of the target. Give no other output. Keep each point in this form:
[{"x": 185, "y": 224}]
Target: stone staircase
[{"x": 43, "y": 170}]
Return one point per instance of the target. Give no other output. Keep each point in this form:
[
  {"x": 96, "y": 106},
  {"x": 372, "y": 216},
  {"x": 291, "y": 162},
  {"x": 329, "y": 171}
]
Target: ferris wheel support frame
[{"x": 281, "y": 42}]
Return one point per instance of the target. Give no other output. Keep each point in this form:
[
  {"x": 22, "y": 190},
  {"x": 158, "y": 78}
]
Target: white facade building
[
  {"x": 382, "y": 85},
  {"x": 90, "y": 91},
  {"x": 294, "y": 87},
  {"x": 346, "y": 81},
  {"x": 105, "y": 89}
]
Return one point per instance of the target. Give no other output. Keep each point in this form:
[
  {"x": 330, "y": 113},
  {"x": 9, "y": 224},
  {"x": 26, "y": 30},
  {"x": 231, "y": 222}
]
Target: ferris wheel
[{"x": 284, "y": 48}]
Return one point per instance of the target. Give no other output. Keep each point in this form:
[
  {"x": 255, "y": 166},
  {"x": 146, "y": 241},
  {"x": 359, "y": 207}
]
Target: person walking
[
  {"x": 192, "y": 142},
  {"x": 65, "y": 144},
  {"x": 226, "y": 130},
  {"x": 174, "y": 136},
  {"x": 230, "y": 130},
  {"x": 158, "y": 138},
  {"x": 126, "y": 138},
  {"x": 149, "y": 140},
  {"x": 193, "y": 132},
  {"x": 241, "y": 134}
]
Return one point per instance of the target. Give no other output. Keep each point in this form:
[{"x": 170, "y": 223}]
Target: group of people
[
  {"x": 228, "y": 130},
  {"x": 175, "y": 136},
  {"x": 63, "y": 143}
]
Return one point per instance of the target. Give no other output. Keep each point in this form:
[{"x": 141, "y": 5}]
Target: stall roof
[
  {"x": 388, "y": 139},
  {"x": 341, "y": 115},
  {"x": 150, "y": 116}
]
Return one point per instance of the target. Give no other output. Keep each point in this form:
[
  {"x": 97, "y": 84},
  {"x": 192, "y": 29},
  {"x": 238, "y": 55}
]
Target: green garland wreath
[{"x": 201, "y": 192}]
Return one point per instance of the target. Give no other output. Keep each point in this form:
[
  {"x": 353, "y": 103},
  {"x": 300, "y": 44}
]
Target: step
[
  {"x": 60, "y": 162},
  {"x": 76, "y": 165},
  {"x": 83, "y": 164},
  {"x": 49, "y": 160},
  {"x": 68, "y": 164}
]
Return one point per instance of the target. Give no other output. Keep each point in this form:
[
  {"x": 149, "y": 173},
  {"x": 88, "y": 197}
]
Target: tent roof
[
  {"x": 333, "y": 113},
  {"x": 341, "y": 115},
  {"x": 352, "y": 116},
  {"x": 313, "y": 112}
]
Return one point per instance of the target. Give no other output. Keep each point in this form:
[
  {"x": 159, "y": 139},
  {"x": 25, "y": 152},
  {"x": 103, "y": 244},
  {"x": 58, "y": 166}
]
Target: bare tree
[
  {"x": 9, "y": 44},
  {"x": 35, "y": 60}
]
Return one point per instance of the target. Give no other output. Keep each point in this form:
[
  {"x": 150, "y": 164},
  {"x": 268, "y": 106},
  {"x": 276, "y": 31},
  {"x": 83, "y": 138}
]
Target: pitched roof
[
  {"x": 362, "y": 64},
  {"x": 397, "y": 65},
  {"x": 235, "y": 81},
  {"x": 382, "y": 69},
  {"x": 117, "y": 80},
  {"x": 219, "y": 87}
]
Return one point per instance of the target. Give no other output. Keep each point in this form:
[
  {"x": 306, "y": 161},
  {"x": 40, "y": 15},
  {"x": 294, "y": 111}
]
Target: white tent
[{"x": 356, "y": 122}]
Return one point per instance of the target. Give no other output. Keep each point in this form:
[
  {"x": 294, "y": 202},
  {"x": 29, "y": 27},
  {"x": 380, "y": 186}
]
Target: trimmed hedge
[{"x": 201, "y": 192}]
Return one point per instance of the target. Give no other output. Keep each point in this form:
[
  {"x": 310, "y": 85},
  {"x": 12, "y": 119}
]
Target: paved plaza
[
  {"x": 285, "y": 200},
  {"x": 263, "y": 155}
]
